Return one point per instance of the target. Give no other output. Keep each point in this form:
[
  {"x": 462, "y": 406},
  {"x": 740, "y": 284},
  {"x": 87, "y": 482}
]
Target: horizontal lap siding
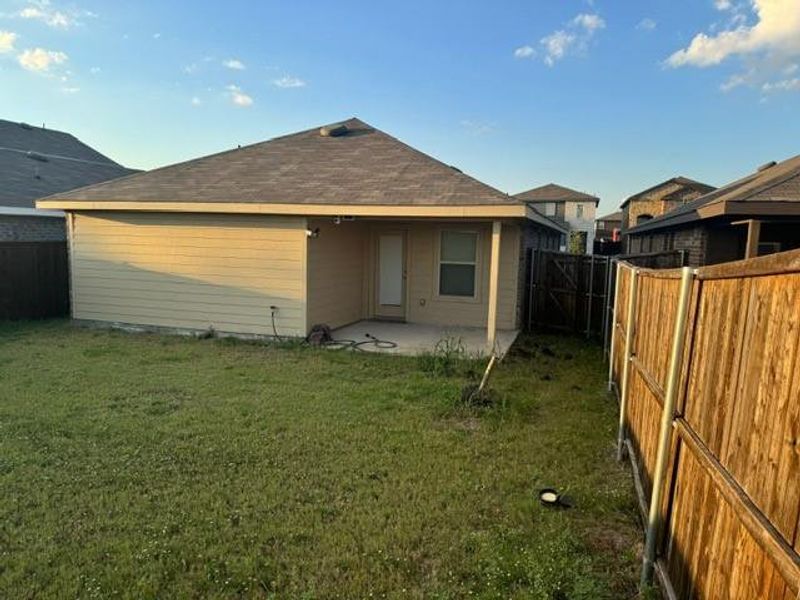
[
  {"x": 337, "y": 271},
  {"x": 190, "y": 271}
]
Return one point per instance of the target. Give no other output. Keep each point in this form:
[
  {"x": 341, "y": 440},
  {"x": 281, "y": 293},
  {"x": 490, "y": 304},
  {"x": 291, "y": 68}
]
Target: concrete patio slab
[{"x": 414, "y": 338}]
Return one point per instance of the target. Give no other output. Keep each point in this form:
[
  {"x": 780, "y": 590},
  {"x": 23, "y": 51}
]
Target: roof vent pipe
[
  {"x": 333, "y": 130},
  {"x": 36, "y": 156},
  {"x": 766, "y": 166}
]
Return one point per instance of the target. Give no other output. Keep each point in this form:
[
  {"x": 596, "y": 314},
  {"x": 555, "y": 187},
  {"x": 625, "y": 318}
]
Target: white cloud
[
  {"x": 40, "y": 60},
  {"x": 524, "y": 52},
  {"x": 196, "y": 101},
  {"x": 723, "y": 4},
  {"x": 646, "y": 24},
  {"x": 238, "y": 97},
  {"x": 776, "y": 32},
  {"x": 784, "y": 85},
  {"x": 234, "y": 63},
  {"x": 477, "y": 127},
  {"x": 42, "y": 11},
  {"x": 70, "y": 90},
  {"x": 764, "y": 36},
  {"x": 589, "y": 22},
  {"x": 556, "y": 45},
  {"x": 95, "y": 70},
  {"x": 574, "y": 38},
  {"x": 7, "y": 39},
  {"x": 288, "y": 82},
  {"x": 156, "y": 35}
]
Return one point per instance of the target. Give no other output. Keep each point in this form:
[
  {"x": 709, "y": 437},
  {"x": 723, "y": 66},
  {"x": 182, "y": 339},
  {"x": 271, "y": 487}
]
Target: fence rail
[
  {"x": 34, "y": 280},
  {"x": 713, "y": 428}
]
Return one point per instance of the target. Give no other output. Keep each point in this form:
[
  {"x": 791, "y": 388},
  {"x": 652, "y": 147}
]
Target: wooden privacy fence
[
  {"x": 34, "y": 280},
  {"x": 567, "y": 292},
  {"x": 707, "y": 366}
]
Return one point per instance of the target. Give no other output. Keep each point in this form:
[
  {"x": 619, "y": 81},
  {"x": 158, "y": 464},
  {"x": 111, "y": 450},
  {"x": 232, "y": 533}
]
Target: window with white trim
[
  {"x": 550, "y": 209},
  {"x": 579, "y": 211},
  {"x": 458, "y": 259}
]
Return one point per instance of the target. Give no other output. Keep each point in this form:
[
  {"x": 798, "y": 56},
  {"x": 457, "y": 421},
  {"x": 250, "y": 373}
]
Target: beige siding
[
  {"x": 191, "y": 271},
  {"x": 337, "y": 272},
  {"x": 424, "y": 303}
]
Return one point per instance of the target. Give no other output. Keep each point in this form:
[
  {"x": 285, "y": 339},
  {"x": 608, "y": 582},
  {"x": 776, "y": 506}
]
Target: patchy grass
[{"x": 143, "y": 466}]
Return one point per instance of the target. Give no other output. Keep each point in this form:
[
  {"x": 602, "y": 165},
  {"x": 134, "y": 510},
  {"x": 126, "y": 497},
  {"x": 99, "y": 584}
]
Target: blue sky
[{"x": 606, "y": 97}]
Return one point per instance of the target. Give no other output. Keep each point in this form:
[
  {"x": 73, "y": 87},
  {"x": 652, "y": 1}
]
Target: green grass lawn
[{"x": 145, "y": 466}]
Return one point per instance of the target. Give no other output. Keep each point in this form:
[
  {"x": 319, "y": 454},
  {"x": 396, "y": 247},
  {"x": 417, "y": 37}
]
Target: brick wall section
[
  {"x": 14, "y": 228},
  {"x": 694, "y": 240}
]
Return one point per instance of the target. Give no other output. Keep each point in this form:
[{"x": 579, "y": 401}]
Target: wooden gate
[{"x": 566, "y": 292}]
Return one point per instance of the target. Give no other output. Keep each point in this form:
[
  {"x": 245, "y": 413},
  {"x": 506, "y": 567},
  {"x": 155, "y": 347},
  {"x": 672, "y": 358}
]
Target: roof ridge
[{"x": 183, "y": 164}]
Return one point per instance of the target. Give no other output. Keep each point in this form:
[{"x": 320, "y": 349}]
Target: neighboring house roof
[
  {"x": 615, "y": 216},
  {"x": 553, "y": 192},
  {"x": 684, "y": 182},
  {"x": 362, "y": 166},
  {"x": 36, "y": 162},
  {"x": 773, "y": 189}
]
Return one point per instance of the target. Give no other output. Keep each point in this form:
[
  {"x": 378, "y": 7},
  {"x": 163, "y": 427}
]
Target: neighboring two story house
[
  {"x": 658, "y": 200},
  {"x": 576, "y": 210}
]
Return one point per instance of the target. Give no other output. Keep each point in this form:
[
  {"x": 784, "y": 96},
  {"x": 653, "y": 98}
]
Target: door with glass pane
[{"x": 390, "y": 288}]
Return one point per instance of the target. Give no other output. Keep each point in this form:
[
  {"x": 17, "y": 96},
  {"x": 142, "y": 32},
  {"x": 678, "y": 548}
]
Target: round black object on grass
[{"x": 553, "y": 499}]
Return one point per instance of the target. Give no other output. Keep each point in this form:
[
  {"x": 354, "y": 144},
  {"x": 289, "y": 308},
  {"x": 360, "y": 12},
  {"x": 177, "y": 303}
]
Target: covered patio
[{"x": 412, "y": 339}]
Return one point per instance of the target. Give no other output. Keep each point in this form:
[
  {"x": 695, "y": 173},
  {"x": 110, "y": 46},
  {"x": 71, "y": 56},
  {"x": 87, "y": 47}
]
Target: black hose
[
  {"x": 344, "y": 344},
  {"x": 275, "y": 329}
]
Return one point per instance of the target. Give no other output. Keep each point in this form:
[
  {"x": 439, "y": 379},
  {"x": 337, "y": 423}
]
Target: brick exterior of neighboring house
[
  {"x": 16, "y": 228},
  {"x": 659, "y": 200},
  {"x": 755, "y": 215}
]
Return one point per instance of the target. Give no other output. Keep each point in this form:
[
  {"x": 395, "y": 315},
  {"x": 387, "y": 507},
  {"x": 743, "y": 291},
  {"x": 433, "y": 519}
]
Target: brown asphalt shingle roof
[
  {"x": 365, "y": 166},
  {"x": 779, "y": 183},
  {"x": 553, "y": 192}
]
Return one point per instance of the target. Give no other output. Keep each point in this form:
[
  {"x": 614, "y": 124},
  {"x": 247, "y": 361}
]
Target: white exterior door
[{"x": 390, "y": 301}]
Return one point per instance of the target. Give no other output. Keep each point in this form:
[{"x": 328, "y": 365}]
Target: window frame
[{"x": 476, "y": 292}]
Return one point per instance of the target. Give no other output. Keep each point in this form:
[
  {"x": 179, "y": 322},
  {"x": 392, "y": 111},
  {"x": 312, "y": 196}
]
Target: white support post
[
  {"x": 494, "y": 280},
  {"x": 626, "y": 361},
  {"x": 667, "y": 416}
]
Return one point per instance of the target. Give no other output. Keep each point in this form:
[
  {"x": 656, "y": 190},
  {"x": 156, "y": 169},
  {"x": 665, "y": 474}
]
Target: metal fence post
[
  {"x": 613, "y": 328},
  {"x": 626, "y": 361},
  {"x": 667, "y": 416},
  {"x": 606, "y": 305},
  {"x": 590, "y": 298}
]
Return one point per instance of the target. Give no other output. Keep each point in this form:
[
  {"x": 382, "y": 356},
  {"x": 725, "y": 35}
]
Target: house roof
[
  {"x": 773, "y": 189},
  {"x": 684, "y": 182},
  {"x": 615, "y": 216},
  {"x": 553, "y": 192},
  {"x": 364, "y": 166},
  {"x": 36, "y": 162}
]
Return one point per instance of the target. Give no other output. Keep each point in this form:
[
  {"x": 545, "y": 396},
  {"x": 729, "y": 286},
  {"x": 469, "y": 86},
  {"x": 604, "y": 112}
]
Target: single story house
[
  {"x": 330, "y": 225},
  {"x": 36, "y": 162},
  {"x": 658, "y": 200},
  {"x": 574, "y": 209},
  {"x": 755, "y": 215}
]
